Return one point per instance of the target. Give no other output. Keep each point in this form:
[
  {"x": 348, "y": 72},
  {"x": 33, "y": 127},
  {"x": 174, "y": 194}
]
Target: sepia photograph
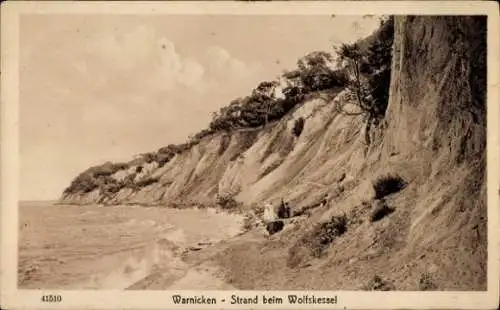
[{"x": 241, "y": 149}]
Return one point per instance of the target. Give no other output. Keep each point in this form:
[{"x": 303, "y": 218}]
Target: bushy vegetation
[
  {"x": 326, "y": 233},
  {"x": 368, "y": 63},
  {"x": 84, "y": 183},
  {"x": 95, "y": 177},
  {"x": 314, "y": 72},
  {"x": 165, "y": 154},
  {"x": 227, "y": 202},
  {"x": 388, "y": 184},
  {"x": 316, "y": 241},
  {"x": 100, "y": 177},
  {"x": 364, "y": 67}
]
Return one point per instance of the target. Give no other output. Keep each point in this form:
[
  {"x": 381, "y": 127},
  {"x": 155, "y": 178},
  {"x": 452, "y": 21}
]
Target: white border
[{"x": 12, "y": 298}]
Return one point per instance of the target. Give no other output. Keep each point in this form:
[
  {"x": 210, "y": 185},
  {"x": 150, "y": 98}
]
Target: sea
[{"x": 108, "y": 247}]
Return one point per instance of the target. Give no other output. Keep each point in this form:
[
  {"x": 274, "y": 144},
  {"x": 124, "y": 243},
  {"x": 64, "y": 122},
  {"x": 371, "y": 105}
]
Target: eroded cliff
[
  {"x": 430, "y": 148},
  {"x": 425, "y": 229}
]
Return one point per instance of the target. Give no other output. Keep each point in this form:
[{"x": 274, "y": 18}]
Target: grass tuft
[
  {"x": 315, "y": 242},
  {"x": 388, "y": 184}
]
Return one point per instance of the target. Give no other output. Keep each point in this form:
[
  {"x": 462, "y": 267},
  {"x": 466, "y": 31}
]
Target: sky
[{"x": 97, "y": 88}]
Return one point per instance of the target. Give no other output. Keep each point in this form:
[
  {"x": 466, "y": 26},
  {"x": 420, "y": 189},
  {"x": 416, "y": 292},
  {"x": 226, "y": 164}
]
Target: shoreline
[
  {"x": 167, "y": 240},
  {"x": 192, "y": 266},
  {"x": 173, "y": 205}
]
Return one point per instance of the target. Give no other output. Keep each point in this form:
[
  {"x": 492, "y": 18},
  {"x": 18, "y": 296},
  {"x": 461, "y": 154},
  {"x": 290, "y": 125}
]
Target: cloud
[
  {"x": 150, "y": 61},
  {"x": 142, "y": 56},
  {"x": 174, "y": 70},
  {"x": 220, "y": 61}
]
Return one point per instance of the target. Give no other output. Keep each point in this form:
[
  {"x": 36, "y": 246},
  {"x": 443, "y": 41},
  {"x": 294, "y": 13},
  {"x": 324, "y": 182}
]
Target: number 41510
[{"x": 51, "y": 298}]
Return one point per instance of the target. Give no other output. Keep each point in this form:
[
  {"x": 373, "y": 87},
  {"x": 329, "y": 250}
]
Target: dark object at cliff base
[
  {"x": 284, "y": 212},
  {"x": 274, "y": 227}
]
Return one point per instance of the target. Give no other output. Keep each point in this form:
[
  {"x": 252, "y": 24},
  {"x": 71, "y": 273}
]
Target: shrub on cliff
[
  {"x": 162, "y": 158},
  {"x": 165, "y": 154},
  {"x": 388, "y": 184},
  {"x": 111, "y": 187},
  {"x": 128, "y": 181},
  {"x": 325, "y": 233},
  {"x": 314, "y": 73},
  {"x": 94, "y": 177},
  {"x": 317, "y": 240},
  {"x": 149, "y": 157},
  {"x": 82, "y": 184},
  {"x": 106, "y": 169},
  {"x": 227, "y": 202}
]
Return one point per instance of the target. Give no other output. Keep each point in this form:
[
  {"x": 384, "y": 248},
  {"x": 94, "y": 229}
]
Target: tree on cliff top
[
  {"x": 265, "y": 94},
  {"x": 368, "y": 64}
]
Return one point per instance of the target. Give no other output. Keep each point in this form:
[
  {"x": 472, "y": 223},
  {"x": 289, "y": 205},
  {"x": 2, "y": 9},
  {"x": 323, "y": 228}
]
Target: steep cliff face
[
  {"x": 437, "y": 125},
  {"x": 432, "y": 139},
  {"x": 432, "y": 233}
]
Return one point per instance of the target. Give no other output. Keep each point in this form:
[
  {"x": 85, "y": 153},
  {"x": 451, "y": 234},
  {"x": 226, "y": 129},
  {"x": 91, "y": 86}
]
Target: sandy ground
[{"x": 93, "y": 247}]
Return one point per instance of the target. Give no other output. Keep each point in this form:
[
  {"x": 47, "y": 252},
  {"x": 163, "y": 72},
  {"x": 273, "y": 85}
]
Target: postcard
[{"x": 247, "y": 154}]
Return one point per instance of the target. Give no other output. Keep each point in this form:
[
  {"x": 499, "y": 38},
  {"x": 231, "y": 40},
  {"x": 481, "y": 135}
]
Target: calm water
[{"x": 96, "y": 247}]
